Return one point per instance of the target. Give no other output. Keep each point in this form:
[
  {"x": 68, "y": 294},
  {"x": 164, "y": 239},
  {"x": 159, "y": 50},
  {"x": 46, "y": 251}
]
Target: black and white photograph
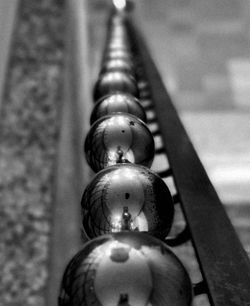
[{"x": 125, "y": 153}]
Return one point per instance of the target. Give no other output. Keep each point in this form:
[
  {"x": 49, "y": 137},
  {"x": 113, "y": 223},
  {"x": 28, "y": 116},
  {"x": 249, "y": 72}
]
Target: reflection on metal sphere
[
  {"x": 119, "y": 32},
  {"x": 117, "y": 81},
  {"x": 118, "y": 102},
  {"x": 119, "y": 138},
  {"x": 120, "y": 4},
  {"x": 117, "y": 45},
  {"x": 118, "y": 65},
  {"x": 118, "y": 54},
  {"x": 127, "y": 197},
  {"x": 131, "y": 269}
]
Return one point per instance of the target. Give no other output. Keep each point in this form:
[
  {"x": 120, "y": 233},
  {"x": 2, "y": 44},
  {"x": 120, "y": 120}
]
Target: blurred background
[{"x": 202, "y": 49}]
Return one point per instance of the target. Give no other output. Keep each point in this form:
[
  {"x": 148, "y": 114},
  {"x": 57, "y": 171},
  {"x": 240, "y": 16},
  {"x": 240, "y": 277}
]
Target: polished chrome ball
[
  {"x": 125, "y": 269},
  {"x": 114, "y": 65},
  {"x": 119, "y": 33},
  {"x": 117, "y": 45},
  {"x": 118, "y": 102},
  {"x": 127, "y": 197},
  {"x": 118, "y": 54},
  {"x": 117, "y": 20},
  {"x": 116, "y": 81},
  {"x": 119, "y": 138}
]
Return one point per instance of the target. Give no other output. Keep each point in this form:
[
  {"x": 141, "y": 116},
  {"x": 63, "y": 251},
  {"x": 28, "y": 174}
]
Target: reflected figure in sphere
[
  {"x": 119, "y": 138},
  {"x": 127, "y": 197},
  {"x": 125, "y": 269}
]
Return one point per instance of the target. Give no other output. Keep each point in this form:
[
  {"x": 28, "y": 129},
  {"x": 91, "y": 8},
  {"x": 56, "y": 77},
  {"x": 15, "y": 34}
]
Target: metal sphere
[
  {"x": 118, "y": 41},
  {"x": 117, "y": 20},
  {"x": 118, "y": 37},
  {"x": 117, "y": 81},
  {"x": 127, "y": 197},
  {"x": 119, "y": 33},
  {"x": 118, "y": 102},
  {"x": 117, "y": 45},
  {"x": 118, "y": 54},
  {"x": 119, "y": 138},
  {"x": 121, "y": 56},
  {"x": 125, "y": 269},
  {"x": 118, "y": 65}
]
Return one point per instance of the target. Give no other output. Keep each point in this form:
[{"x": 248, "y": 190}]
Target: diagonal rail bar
[{"x": 223, "y": 262}]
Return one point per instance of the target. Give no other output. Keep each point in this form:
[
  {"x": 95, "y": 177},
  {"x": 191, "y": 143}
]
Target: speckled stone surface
[{"x": 29, "y": 130}]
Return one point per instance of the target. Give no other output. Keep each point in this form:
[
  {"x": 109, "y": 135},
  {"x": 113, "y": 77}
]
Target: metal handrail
[{"x": 224, "y": 263}]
